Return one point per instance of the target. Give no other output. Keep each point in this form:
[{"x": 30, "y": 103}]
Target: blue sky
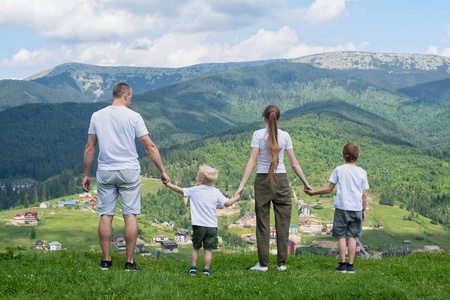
[{"x": 37, "y": 35}]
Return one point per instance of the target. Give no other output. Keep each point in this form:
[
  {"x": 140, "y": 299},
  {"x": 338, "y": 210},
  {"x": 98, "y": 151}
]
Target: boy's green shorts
[{"x": 204, "y": 236}]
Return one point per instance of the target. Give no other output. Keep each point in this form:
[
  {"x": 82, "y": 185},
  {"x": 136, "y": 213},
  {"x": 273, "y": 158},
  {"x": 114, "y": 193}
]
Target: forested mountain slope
[
  {"x": 197, "y": 107},
  {"x": 398, "y": 172},
  {"x": 19, "y": 92}
]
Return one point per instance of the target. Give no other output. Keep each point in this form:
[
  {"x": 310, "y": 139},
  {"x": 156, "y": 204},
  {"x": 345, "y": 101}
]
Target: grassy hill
[{"x": 76, "y": 275}]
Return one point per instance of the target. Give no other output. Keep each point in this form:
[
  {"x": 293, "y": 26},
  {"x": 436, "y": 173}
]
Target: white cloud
[
  {"x": 304, "y": 49},
  {"x": 177, "y": 50},
  {"x": 319, "y": 12},
  {"x": 76, "y": 20},
  {"x": 25, "y": 58},
  {"x": 435, "y": 50}
]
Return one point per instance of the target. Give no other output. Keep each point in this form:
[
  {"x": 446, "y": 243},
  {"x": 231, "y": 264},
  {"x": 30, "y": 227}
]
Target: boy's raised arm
[
  {"x": 174, "y": 188},
  {"x": 326, "y": 190},
  {"x": 232, "y": 200}
]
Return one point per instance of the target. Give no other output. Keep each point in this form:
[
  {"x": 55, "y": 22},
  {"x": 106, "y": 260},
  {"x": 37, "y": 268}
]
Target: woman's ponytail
[{"x": 272, "y": 115}]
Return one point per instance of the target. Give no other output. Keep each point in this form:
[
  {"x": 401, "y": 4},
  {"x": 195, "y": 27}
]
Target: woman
[{"x": 272, "y": 185}]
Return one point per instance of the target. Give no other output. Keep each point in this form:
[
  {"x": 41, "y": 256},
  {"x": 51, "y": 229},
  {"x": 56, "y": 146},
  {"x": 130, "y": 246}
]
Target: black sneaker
[
  {"x": 192, "y": 270},
  {"x": 342, "y": 268},
  {"x": 350, "y": 268},
  {"x": 207, "y": 272},
  {"x": 132, "y": 266},
  {"x": 105, "y": 265}
]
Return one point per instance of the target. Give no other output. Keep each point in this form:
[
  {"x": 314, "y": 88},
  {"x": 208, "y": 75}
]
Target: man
[{"x": 115, "y": 128}]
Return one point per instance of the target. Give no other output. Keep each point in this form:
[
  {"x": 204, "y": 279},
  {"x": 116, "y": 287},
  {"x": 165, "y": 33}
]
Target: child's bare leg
[
  {"x": 342, "y": 245},
  {"x": 351, "y": 249},
  {"x": 208, "y": 258},
  {"x": 194, "y": 256}
]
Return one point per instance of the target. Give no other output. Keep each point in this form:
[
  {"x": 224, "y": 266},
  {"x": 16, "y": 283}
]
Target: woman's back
[{"x": 259, "y": 140}]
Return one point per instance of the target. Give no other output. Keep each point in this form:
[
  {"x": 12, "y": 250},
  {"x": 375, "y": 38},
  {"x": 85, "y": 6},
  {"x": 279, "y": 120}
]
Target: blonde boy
[
  {"x": 204, "y": 199},
  {"x": 350, "y": 204}
]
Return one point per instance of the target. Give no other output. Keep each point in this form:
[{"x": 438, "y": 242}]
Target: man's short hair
[
  {"x": 121, "y": 89},
  {"x": 208, "y": 174}
]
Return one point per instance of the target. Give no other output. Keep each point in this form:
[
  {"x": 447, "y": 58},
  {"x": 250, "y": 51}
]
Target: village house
[
  {"x": 431, "y": 249},
  {"x": 249, "y": 238},
  {"x": 45, "y": 204},
  {"x": 30, "y": 217},
  {"x": 140, "y": 245},
  {"x": 169, "y": 246},
  {"x": 75, "y": 200},
  {"x": 273, "y": 236},
  {"x": 85, "y": 196},
  {"x": 305, "y": 222},
  {"x": 65, "y": 204},
  {"x": 39, "y": 245},
  {"x": 293, "y": 229},
  {"x": 182, "y": 236},
  {"x": 379, "y": 225},
  {"x": 305, "y": 210},
  {"x": 248, "y": 217},
  {"x": 54, "y": 246},
  {"x": 292, "y": 246},
  {"x": 160, "y": 238},
  {"x": 92, "y": 203},
  {"x": 299, "y": 203},
  {"x": 19, "y": 217},
  {"x": 118, "y": 240}
]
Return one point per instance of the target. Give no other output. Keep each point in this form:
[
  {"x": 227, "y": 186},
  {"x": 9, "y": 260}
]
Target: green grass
[{"x": 75, "y": 275}]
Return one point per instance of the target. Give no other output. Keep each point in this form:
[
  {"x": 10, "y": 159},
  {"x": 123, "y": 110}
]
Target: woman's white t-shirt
[{"x": 259, "y": 140}]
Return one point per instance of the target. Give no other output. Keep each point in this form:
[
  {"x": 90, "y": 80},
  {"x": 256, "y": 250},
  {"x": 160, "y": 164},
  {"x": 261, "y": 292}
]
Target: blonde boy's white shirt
[{"x": 204, "y": 200}]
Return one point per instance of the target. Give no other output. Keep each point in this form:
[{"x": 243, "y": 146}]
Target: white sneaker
[
  {"x": 257, "y": 267},
  {"x": 281, "y": 268}
]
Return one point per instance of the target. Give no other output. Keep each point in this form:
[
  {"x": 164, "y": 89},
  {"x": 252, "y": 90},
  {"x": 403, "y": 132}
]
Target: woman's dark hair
[
  {"x": 350, "y": 152},
  {"x": 272, "y": 115}
]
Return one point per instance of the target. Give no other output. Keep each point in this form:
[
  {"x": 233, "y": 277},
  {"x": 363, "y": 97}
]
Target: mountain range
[{"x": 181, "y": 105}]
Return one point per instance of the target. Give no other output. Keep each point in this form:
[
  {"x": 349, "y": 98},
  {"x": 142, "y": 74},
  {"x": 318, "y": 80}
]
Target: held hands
[
  {"x": 238, "y": 191},
  {"x": 165, "y": 178},
  {"x": 308, "y": 190}
]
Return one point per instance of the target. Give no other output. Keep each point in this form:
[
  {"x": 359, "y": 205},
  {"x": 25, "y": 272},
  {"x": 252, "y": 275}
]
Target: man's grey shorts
[
  {"x": 123, "y": 183},
  {"x": 347, "y": 222}
]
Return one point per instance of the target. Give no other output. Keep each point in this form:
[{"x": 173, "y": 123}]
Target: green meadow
[{"x": 76, "y": 275}]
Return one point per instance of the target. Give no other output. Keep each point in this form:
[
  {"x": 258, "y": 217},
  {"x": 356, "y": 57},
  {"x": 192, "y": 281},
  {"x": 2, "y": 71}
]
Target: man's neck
[{"x": 118, "y": 102}]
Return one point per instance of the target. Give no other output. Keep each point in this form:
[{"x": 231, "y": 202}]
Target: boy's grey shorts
[
  {"x": 347, "y": 222},
  {"x": 112, "y": 184}
]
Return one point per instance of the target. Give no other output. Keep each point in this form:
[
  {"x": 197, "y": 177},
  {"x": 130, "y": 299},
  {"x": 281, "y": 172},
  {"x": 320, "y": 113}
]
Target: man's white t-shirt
[
  {"x": 350, "y": 182},
  {"x": 116, "y": 128},
  {"x": 259, "y": 140},
  {"x": 204, "y": 200}
]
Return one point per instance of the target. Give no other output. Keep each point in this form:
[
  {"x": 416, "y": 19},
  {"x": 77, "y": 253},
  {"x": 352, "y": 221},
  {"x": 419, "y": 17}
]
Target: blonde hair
[
  {"x": 208, "y": 174},
  {"x": 272, "y": 115}
]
